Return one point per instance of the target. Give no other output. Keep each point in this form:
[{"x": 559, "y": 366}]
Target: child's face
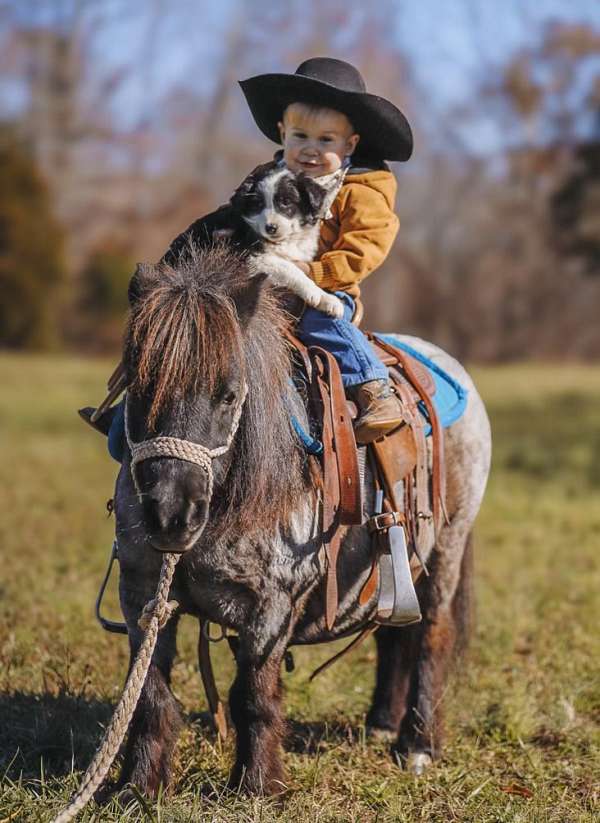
[{"x": 315, "y": 140}]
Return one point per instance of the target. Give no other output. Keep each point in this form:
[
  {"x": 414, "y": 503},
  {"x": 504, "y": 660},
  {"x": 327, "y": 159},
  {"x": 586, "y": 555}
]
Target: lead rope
[
  {"x": 154, "y": 617},
  {"x": 155, "y": 614}
]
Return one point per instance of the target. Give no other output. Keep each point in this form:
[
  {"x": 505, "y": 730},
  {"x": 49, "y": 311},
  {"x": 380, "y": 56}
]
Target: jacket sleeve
[{"x": 368, "y": 228}]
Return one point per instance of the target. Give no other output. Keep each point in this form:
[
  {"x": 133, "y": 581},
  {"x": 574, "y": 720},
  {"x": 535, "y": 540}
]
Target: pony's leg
[
  {"x": 444, "y": 606},
  {"x": 255, "y": 703},
  {"x": 395, "y": 649},
  {"x": 156, "y": 721}
]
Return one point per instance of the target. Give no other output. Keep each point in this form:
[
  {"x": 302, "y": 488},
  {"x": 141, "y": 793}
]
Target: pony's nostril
[
  {"x": 154, "y": 515},
  {"x": 196, "y": 513}
]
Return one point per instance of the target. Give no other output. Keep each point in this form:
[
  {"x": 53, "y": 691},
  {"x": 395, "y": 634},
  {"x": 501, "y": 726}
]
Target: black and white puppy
[{"x": 274, "y": 217}]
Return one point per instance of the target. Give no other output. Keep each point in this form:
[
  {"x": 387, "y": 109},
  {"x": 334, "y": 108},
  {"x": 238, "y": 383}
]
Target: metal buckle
[{"x": 377, "y": 523}]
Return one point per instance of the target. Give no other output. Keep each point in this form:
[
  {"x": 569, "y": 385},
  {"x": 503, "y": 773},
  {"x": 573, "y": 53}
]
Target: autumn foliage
[{"x": 498, "y": 254}]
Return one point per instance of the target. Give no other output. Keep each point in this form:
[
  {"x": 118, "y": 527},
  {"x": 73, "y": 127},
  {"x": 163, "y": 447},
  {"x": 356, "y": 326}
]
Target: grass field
[{"x": 523, "y": 730}]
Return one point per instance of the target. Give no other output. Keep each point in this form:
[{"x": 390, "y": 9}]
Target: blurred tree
[
  {"x": 483, "y": 241},
  {"x": 576, "y": 209},
  {"x": 102, "y": 297},
  {"x": 32, "y": 268},
  {"x": 549, "y": 92},
  {"x": 104, "y": 281},
  {"x": 47, "y": 55}
]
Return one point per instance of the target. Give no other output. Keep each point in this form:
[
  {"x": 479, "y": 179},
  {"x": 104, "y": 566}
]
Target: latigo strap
[{"x": 342, "y": 505}]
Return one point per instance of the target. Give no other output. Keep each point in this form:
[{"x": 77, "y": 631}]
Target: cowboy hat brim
[{"x": 384, "y": 131}]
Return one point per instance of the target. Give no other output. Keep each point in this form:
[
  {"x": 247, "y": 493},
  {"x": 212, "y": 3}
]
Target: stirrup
[{"x": 397, "y": 603}]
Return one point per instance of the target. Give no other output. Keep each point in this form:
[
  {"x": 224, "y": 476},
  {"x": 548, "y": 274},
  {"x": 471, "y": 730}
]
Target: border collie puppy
[{"x": 274, "y": 218}]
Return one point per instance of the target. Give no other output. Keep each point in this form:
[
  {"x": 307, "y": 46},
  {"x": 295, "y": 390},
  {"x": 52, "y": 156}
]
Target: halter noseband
[{"x": 181, "y": 449}]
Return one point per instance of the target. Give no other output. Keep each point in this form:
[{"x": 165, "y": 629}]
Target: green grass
[{"x": 523, "y": 716}]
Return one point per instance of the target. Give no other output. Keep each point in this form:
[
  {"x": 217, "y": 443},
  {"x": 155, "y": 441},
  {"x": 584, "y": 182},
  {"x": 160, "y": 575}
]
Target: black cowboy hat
[{"x": 384, "y": 131}]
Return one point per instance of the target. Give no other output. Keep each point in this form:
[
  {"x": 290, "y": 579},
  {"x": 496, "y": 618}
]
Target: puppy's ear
[
  {"x": 249, "y": 182},
  {"x": 245, "y": 187},
  {"x": 144, "y": 278},
  {"x": 312, "y": 196}
]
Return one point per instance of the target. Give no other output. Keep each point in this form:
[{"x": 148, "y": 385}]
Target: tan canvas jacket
[{"x": 358, "y": 236}]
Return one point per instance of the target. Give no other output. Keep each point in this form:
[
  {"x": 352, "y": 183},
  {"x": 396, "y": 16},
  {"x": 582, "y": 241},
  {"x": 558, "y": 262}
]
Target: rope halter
[{"x": 181, "y": 449}]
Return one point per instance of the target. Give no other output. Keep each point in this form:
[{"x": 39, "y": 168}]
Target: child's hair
[{"x": 313, "y": 110}]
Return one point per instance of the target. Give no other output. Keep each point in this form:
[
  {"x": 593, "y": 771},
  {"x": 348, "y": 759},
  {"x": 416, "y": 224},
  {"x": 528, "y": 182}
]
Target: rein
[{"x": 155, "y": 614}]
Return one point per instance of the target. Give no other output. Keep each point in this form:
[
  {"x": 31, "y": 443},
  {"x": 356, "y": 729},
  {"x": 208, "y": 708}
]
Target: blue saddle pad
[{"x": 450, "y": 398}]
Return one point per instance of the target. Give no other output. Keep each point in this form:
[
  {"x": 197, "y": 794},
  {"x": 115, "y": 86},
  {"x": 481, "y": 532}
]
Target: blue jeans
[{"x": 355, "y": 357}]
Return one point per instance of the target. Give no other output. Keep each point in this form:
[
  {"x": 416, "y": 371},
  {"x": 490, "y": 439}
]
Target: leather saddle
[{"x": 400, "y": 462}]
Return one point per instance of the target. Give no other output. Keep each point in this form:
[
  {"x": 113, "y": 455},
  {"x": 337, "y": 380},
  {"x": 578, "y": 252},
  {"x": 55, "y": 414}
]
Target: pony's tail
[{"x": 463, "y": 603}]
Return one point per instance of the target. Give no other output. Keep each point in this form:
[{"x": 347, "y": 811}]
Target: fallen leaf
[{"x": 514, "y": 788}]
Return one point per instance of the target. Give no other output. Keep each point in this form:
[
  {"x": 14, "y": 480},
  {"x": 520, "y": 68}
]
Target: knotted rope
[
  {"x": 154, "y": 617},
  {"x": 155, "y": 614}
]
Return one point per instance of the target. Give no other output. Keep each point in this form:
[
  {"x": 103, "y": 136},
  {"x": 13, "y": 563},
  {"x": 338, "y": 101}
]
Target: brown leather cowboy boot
[{"x": 380, "y": 410}]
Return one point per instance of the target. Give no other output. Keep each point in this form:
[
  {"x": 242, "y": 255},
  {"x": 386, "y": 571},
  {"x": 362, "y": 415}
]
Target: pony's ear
[
  {"x": 145, "y": 275},
  {"x": 246, "y": 298}
]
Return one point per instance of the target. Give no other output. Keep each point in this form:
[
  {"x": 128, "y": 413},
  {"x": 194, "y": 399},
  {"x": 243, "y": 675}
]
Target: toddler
[{"x": 325, "y": 120}]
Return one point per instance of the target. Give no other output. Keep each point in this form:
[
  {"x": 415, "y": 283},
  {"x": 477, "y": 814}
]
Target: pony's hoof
[
  {"x": 113, "y": 793},
  {"x": 418, "y": 762},
  {"x": 382, "y": 734},
  {"x": 125, "y": 797}
]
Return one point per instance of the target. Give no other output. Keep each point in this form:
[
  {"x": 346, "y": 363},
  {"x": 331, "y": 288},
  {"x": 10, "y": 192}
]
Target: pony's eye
[{"x": 229, "y": 398}]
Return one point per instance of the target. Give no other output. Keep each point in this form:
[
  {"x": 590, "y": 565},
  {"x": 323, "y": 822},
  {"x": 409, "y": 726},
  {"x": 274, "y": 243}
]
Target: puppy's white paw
[{"x": 331, "y": 305}]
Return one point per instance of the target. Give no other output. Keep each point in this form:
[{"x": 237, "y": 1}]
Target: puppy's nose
[{"x": 271, "y": 228}]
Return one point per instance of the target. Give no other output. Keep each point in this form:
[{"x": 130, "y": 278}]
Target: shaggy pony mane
[{"x": 187, "y": 326}]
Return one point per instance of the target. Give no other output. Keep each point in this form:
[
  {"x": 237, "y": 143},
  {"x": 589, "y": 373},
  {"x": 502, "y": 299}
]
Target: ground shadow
[
  {"x": 49, "y": 734},
  {"x": 56, "y": 733},
  {"x": 317, "y": 736},
  {"x": 302, "y": 737}
]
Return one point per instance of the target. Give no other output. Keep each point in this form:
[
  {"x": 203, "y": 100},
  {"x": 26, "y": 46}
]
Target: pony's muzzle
[
  {"x": 175, "y": 530},
  {"x": 175, "y": 514}
]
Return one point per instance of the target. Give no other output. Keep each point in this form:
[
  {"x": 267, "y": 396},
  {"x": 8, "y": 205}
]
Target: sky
[{"x": 452, "y": 45}]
